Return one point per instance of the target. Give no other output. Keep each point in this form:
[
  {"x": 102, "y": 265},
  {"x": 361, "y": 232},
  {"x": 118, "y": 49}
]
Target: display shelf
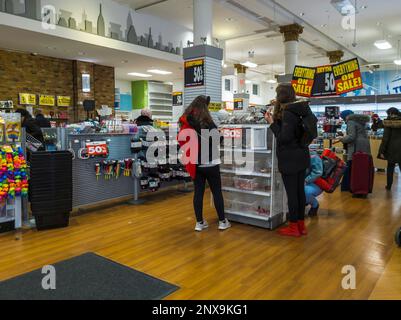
[
  {"x": 256, "y": 193},
  {"x": 6, "y": 219},
  {"x": 246, "y": 150},
  {"x": 246, "y": 173},
  {"x": 248, "y": 215},
  {"x": 255, "y": 184},
  {"x": 160, "y": 100}
]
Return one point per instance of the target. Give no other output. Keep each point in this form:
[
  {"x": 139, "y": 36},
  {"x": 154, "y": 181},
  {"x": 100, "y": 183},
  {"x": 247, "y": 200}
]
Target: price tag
[
  {"x": 195, "y": 73},
  {"x": 97, "y": 149}
]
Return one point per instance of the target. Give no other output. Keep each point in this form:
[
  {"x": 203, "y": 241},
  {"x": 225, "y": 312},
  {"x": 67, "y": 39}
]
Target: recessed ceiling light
[
  {"x": 302, "y": 14},
  {"x": 323, "y": 25},
  {"x": 249, "y": 64},
  {"x": 363, "y": 7},
  {"x": 124, "y": 61},
  {"x": 397, "y": 62},
  {"x": 383, "y": 44},
  {"x": 161, "y": 72},
  {"x": 248, "y": 81},
  {"x": 141, "y": 75},
  {"x": 229, "y": 19},
  {"x": 272, "y": 81}
]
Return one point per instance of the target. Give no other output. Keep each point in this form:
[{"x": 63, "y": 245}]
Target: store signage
[
  {"x": 238, "y": 104},
  {"x": 232, "y": 133},
  {"x": 327, "y": 80},
  {"x": 6, "y": 104},
  {"x": 27, "y": 99},
  {"x": 324, "y": 84},
  {"x": 63, "y": 101},
  {"x": 348, "y": 76},
  {"x": 195, "y": 73},
  {"x": 46, "y": 100},
  {"x": 389, "y": 98},
  {"x": 177, "y": 99},
  {"x": 359, "y": 100},
  {"x": 303, "y": 80},
  {"x": 97, "y": 149},
  {"x": 215, "y": 106}
]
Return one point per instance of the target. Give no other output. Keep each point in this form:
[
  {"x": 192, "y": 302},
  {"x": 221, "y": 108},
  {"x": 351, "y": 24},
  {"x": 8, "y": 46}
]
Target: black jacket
[
  {"x": 293, "y": 157},
  {"x": 391, "y": 144},
  {"x": 42, "y": 122},
  {"x": 204, "y": 143},
  {"x": 33, "y": 129},
  {"x": 144, "y": 121}
]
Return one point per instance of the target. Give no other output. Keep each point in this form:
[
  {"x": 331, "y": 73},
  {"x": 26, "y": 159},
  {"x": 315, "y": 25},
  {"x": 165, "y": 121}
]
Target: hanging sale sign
[
  {"x": 347, "y": 76},
  {"x": 27, "y": 99},
  {"x": 195, "y": 73},
  {"x": 177, "y": 99},
  {"x": 46, "y": 100},
  {"x": 325, "y": 84},
  {"x": 303, "y": 80},
  {"x": 63, "y": 101},
  {"x": 215, "y": 106}
]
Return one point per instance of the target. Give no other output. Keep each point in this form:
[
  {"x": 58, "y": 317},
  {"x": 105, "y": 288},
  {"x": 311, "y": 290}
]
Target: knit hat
[
  {"x": 146, "y": 113},
  {"x": 344, "y": 115}
]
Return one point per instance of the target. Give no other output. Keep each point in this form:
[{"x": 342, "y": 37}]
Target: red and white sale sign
[
  {"x": 232, "y": 133},
  {"x": 97, "y": 149}
]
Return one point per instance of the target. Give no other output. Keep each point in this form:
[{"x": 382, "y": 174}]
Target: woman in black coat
[
  {"x": 390, "y": 148},
  {"x": 293, "y": 156}
]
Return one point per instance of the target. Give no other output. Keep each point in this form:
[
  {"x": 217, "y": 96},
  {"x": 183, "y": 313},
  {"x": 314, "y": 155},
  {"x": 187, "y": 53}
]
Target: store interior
[{"x": 92, "y": 68}]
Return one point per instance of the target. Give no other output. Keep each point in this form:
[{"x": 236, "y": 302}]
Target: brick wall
[{"x": 23, "y": 72}]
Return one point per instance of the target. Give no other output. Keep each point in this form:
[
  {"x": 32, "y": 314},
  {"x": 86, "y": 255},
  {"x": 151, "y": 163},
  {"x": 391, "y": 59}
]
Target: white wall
[
  {"x": 116, "y": 13},
  {"x": 124, "y": 86},
  {"x": 266, "y": 91}
]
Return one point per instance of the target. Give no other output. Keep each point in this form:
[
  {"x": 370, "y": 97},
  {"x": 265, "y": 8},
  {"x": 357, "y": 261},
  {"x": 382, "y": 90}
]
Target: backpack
[
  {"x": 309, "y": 125},
  {"x": 333, "y": 172}
]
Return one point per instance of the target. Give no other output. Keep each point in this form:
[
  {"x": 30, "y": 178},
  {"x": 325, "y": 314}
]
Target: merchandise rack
[{"x": 255, "y": 194}]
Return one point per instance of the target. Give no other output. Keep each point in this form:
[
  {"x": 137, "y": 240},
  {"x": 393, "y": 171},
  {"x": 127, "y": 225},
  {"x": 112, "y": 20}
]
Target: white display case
[
  {"x": 160, "y": 97},
  {"x": 252, "y": 185}
]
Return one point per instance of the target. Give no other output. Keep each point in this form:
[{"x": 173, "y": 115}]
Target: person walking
[
  {"x": 204, "y": 160},
  {"x": 293, "y": 156},
  {"x": 390, "y": 148},
  {"x": 355, "y": 140}
]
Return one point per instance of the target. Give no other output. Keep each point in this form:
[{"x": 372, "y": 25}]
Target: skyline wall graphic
[{"x": 32, "y": 9}]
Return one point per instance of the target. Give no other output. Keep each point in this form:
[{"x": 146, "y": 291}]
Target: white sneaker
[
  {"x": 224, "y": 225},
  {"x": 201, "y": 226}
]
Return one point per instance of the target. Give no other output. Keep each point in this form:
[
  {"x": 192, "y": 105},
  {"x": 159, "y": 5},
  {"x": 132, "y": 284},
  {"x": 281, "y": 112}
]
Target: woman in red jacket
[{"x": 200, "y": 139}]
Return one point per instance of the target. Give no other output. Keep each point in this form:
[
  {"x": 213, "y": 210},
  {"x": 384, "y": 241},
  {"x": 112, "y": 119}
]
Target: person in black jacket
[
  {"x": 30, "y": 125},
  {"x": 293, "y": 156},
  {"x": 207, "y": 169},
  {"x": 41, "y": 121},
  {"x": 145, "y": 119}
]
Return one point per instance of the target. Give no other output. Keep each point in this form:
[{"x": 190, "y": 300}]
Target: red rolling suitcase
[{"x": 362, "y": 174}]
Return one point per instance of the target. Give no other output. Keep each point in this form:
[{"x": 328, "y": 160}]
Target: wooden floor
[{"x": 242, "y": 263}]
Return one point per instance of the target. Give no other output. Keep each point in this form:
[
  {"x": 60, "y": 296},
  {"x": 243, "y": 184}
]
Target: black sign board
[
  {"x": 195, "y": 73},
  {"x": 177, "y": 99},
  {"x": 324, "y": 84}
]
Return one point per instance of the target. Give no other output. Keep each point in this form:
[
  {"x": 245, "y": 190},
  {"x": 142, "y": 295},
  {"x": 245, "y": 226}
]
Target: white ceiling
[
  {"x": 123, "y": 61},
  {"x": 234, "y": 19}
]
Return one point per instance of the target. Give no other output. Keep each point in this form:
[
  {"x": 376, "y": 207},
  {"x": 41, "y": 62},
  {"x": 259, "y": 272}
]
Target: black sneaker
[{"x": 313, "y": 211}]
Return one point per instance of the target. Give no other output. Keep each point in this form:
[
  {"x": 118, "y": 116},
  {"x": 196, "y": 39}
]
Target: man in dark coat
[
  {"x": 30, "y": 125},
  {"x": 390, "y": 148},
  {"x": 41, "y": 121}
]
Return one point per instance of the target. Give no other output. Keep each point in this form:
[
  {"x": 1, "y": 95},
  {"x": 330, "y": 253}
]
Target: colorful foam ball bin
[{"x": 13, "y": 173}]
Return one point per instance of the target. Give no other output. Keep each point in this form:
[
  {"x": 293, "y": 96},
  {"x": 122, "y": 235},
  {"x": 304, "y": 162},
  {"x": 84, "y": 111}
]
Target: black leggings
[
  {"x": 295, "y": 187},
  {"x": 213, "y": 177},
  {"x": 390, "y": 173}
]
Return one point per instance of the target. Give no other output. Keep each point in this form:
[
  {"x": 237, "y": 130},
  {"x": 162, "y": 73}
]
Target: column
[
  {"x": 203, "y": 22},
  {"x": 291, "y": 40},
  {"x": 335, "y": 56}
]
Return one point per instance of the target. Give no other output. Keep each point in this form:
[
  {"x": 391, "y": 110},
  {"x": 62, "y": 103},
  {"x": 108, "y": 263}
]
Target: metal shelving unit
[{"x": 253, "y": 189}]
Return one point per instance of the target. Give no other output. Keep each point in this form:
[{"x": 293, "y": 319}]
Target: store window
[
  {"x": 227, "y": 85},
  {"x": 255, "y": 89}
]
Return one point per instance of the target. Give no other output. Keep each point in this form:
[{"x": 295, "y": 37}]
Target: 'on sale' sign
[{"x": 97, "y": 149}]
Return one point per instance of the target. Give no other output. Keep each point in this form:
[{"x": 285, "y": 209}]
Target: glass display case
[{"x": 252, "y": 185}]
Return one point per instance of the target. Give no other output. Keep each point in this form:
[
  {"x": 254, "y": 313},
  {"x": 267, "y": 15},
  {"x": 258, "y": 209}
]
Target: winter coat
[
  {"x": 190, "y": 136},
  {"x": 42, "y": 122},
  {"x": 391, "y": 143},
  {"x": 33, "y": 129},
  {"x": 144, "y": 121},
  {"x": 315, "y": 170},
  {"x": 357, "y": 139},
  {"x": 293, "y": 157}
]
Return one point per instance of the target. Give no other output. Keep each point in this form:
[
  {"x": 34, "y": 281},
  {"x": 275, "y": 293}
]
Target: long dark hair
[
  {"x": 199, "y": 110},
  {"x": 285, "y": 95}
]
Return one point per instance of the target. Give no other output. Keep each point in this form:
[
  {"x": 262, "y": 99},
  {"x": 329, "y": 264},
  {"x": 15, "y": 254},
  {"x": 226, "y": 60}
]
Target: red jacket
[{"x": 188, "y": 139}]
